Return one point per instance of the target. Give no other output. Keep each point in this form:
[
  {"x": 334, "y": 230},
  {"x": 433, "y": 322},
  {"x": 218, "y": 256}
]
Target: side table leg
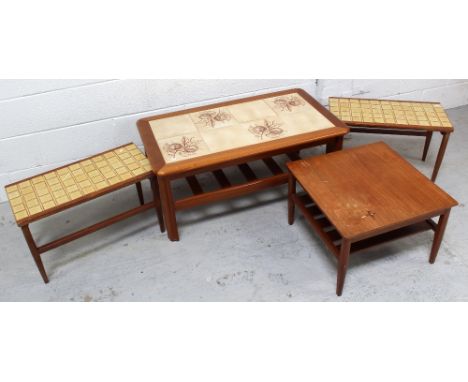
[
  {"x": 438, "y": 235},
  {"x": 427, "y": 143},
  {"x": 440, "y": 155},
  {"x": 339, "y": 143},
  {"x": 291, "y": 192},
  {"x": 140, "y": 193},
  {"x": 34, "y": 252},
  {"x": 335, "y": 144},
  {"x": 168, "y": 207},
  {"x": 157, "y": 202},
  {"x": 342, "y": 265}
]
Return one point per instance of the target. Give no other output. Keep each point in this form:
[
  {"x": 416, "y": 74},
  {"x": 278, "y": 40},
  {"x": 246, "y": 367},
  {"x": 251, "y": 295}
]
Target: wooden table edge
[
  {"x": 390, "y": 125},
  {"x": 83, "y": 199}
]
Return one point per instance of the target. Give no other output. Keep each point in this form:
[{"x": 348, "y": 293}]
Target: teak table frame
[
  {"x": 409, "y": 130},
  {"x": 216, "y": 162},
  {"x": 363, "y": 217}
]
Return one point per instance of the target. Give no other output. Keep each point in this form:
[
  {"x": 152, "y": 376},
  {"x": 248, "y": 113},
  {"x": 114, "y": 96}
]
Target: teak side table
[
  {"x": 207, "y": 139},
  {"x": 57, "y": 190},
  {"x": 361, "y": 197},
  {"x": 375, "y": 116}
]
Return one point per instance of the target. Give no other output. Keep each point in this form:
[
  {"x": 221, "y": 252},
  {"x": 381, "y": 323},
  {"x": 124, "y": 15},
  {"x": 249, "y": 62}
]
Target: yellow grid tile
[
  {"x": 390, "y": 112},
  {"x": 46, "y": 191}
]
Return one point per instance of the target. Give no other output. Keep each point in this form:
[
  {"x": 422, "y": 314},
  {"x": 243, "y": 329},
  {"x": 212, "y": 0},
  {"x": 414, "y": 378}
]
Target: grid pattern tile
[
  {"x": 406, "y": 113},
  {"x": 52, "y": 189}
]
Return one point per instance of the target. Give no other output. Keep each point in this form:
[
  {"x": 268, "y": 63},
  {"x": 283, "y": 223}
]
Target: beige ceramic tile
[
  {"x": 292, "y": 103},
  {"x": 251, "y": 111},
  {"x": 234, "y": 137},
  {"x": 308, "y": 121},
  {"x": 213, "y": 118},
  {"x": 183, "y": 147},
  {"x": 172, "y": 127}
]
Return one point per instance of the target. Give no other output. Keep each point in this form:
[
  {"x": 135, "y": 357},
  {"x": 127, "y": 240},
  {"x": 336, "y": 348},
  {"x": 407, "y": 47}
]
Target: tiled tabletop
[
  {"x": 53, "y": 189},
  {"x": 426, "y": 115},
  {"x": 242, "y": 124}
]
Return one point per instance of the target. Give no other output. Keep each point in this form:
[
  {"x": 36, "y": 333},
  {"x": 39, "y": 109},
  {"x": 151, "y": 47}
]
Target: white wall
[
  {"x": 47, "y": 123},
  {"x": 451, "y": 93}
]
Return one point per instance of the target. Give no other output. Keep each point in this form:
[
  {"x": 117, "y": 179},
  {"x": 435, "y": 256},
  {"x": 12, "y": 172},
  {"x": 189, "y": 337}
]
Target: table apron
[{"x": 390, "y": 131}]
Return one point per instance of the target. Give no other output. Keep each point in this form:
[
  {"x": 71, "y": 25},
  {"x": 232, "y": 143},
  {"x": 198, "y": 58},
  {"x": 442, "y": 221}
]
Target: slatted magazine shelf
[
  {"x": 215, "y": 137},
  {"x": 332, "y": 238}
]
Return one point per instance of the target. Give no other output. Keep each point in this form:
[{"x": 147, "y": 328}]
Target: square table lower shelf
[{"x": 365, "y": 196}]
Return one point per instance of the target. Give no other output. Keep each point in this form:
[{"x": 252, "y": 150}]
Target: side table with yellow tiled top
[
  {"x": 49, "y": 193},
  {"x": 396, "y": 117}
]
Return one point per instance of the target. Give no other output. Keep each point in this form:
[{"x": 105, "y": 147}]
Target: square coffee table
[
  {"x": 210, "y": 138},
  {"x": 364, "y": 196},
  {"x": 414, "y": 118}
]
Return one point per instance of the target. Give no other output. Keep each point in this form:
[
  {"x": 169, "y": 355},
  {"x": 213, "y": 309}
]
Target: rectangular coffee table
[
  {"x": 375, "y": 116},
  {"x": 207, "y": 139},
  {"x": 364, "y": 196}
]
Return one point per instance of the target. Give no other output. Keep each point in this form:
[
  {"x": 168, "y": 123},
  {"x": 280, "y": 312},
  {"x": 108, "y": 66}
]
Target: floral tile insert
[
  {"x": 214, "y": 118},
  {"x": 228, "y": 127},
  {"x": 183, "y": 147}
]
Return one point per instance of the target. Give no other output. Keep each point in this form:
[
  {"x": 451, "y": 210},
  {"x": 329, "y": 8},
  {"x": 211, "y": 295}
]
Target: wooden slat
[
  {"x": 392, "y": 235},
  {"x": 432, "y": 223},
  {"x": 231, "y": 192},
  {"x": 247, "y": 172},
  {"x": 326, "y": 238},
  {"x": 194, "y": 185},
  {"x": 305, "y": 198},
  {"x": 221, "y": 178},
  {"x": 324, "y": 222},
  {"x": 273, "y": 166}
]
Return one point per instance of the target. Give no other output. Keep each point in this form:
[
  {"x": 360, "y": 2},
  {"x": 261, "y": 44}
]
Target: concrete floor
[{"x": 235, "y": 251}]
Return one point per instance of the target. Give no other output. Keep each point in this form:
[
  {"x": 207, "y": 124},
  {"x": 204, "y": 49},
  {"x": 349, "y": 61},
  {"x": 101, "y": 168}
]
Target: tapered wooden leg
[
  {"x": 157, "y": 203},
  {"x": 291, "y": 192},
  {"x": 339, "y": 143},
  {"x": 34, "y": 252},
  {"x": 335, "y": 144},
  {"x": 342, "y": 265},
  {"x": 427, "y": 143},
  {"x": 438, "y": 235},
  {"x": 168, "y": 207},
  {"x": 140, "y": 193},
  {"x": 440, "y": 155}
]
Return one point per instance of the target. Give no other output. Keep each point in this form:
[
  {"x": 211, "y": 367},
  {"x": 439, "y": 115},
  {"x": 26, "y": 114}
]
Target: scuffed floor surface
[{"x": 236, "y": 252}]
